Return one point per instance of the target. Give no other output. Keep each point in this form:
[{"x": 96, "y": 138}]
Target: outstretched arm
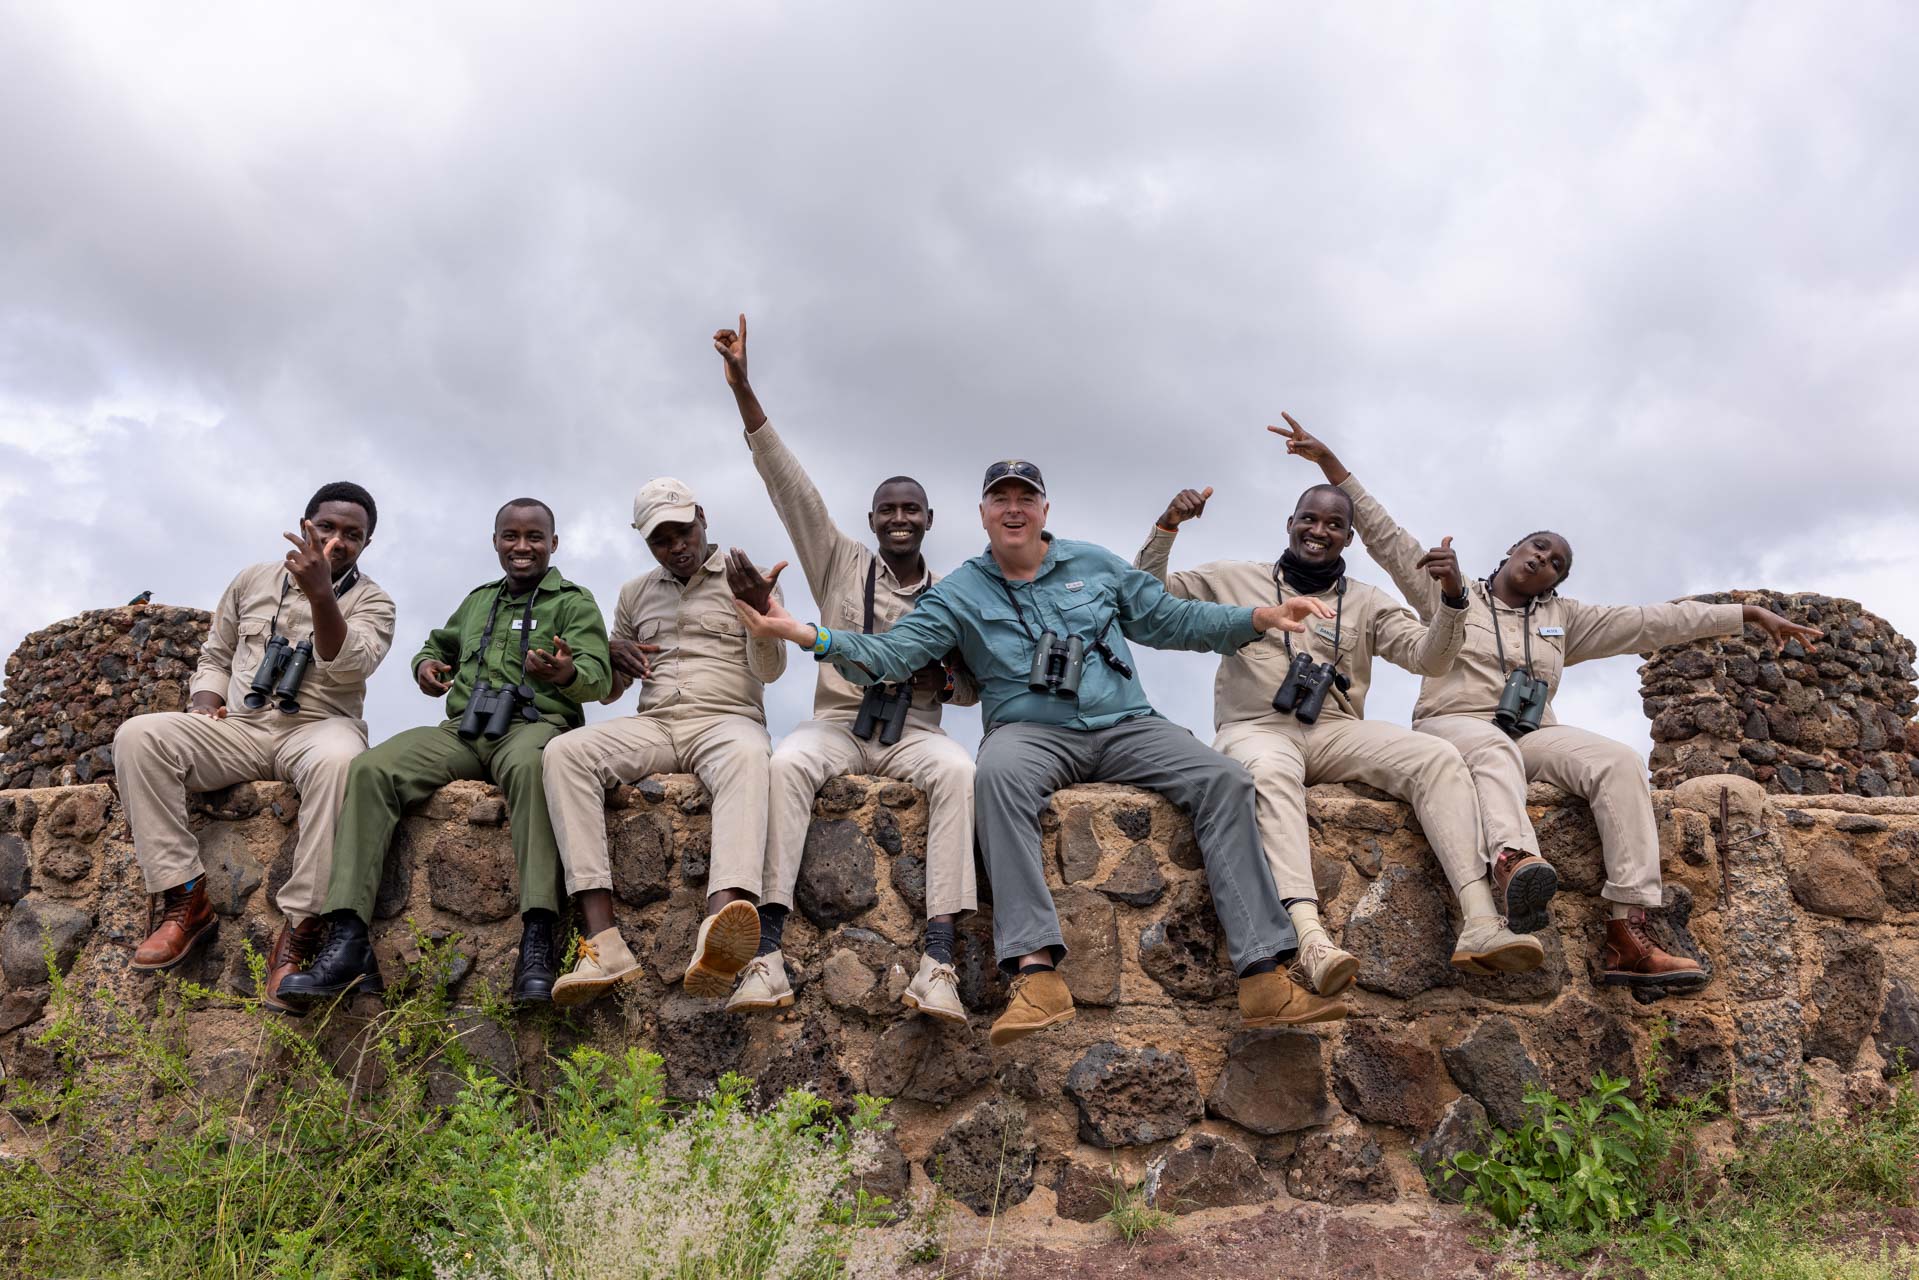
[
  {"x": 925, "y": 635},
  {"x": 1153, "y": 616},
  {"x": 1156, "y": 555},
  {"x": 1604, "y": 631}
]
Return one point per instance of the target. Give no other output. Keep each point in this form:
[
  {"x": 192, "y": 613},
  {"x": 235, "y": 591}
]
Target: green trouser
[{"x": 384, "y": 782}]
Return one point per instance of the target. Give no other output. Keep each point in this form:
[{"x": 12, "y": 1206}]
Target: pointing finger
[{"x": 742, "y": 327}]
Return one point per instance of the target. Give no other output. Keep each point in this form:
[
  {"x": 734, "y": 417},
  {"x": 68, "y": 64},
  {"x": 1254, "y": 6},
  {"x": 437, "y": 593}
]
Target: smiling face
[
  {"x": 1013, "y": 514},
  {"x": 900, "y": 517},
  {"x": 1537, "y": 564},
  {"x": 525, "y": 541},
  {"x": 679, "y": 545},
  {"x": 1321, "y": 526},
  {"x": 346, "y": 521}
]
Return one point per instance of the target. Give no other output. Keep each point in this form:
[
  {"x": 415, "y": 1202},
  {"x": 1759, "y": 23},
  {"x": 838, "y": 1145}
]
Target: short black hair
[
  {"x": 344, "y": 491},
  {"x": 1347, "y": 498},
  {"x": 898, "y": 480},
  {"x": 1542, "y": 533},
  {"x": 552, "y": 522}
]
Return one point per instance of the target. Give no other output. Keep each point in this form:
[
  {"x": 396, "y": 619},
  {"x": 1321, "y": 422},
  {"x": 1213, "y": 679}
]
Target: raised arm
[
  {"x": 369, "y": 634},
  {"x": 1603, "y": 631},
  {"x": 1157, "y": 553},
  {"x": 1393, "y": 549},
  {"x": 1423, "y": 648},
  {"x": 820, "y": 544}
]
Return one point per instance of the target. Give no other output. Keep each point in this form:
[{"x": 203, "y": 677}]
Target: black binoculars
[
  {"x": 1303, "y": 692},
  {"x": 282, "y": 667},
  {"x": 1057, "y": 665},
  {"x": 883, "y": 707},
  {"x": 491, "y": 712},
  {"x": 1521, "y": 703}
]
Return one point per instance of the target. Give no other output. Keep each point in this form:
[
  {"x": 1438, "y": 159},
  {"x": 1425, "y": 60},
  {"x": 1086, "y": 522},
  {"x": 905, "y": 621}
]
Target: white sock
[
  {"x": 1306, "y": 921},
  {"x": 1620, "y": 910},
  {"x": 1476, "y": 899}
]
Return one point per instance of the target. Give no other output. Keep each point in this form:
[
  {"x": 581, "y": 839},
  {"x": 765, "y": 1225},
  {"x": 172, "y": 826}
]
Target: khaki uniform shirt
[
  {"x": 1562, "y": 631},
  {"x": 244, "y": 619},
  {"x": 1370, "y": 623},
  {"x": 836, "y": 567},
  {"x": 707, "y": 664}
]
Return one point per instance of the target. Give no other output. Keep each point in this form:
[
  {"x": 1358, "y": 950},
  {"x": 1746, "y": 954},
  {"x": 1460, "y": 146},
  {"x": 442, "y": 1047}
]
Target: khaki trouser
[
  {"x": 728, "y": 752},
  {"x": 1285, "y": 757},
  {"x": 1608, "y": 774},
  {"x": 160, "y": 756},
  {"x": 822, "y": 749}
]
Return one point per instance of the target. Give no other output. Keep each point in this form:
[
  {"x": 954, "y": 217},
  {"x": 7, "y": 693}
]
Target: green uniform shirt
[{"x": 560, "y": 608}]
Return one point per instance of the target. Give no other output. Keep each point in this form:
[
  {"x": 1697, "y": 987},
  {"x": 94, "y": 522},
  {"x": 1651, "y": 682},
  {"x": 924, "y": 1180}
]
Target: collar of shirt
[{"x": 550, "y": 581}]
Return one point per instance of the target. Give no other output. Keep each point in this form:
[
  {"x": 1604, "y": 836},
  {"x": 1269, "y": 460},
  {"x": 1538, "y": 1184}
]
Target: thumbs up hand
[
  {"x": 1443, "y": 567},
  {"x": 1187, "y": 504}
]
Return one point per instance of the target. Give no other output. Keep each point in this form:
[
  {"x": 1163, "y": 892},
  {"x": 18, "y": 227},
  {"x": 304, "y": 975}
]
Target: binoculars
[
  {"x": 1303, "y": 692},
  {"x": 1521, "y": 703},
  {"x": 883, "y": 707},
  {"x": 1057, "y": 665},
  {"x": 282, "y": 667},
  {"x": 491, "y": 712}
]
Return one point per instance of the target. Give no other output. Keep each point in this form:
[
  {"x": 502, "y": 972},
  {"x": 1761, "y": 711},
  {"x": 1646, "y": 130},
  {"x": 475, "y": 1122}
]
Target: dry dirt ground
[{"x": 1307, "y": 1242}]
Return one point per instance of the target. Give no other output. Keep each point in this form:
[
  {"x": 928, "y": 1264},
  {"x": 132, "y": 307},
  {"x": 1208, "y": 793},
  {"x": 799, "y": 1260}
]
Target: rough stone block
[
  {"x": 1206, "y": 1172},
  {"x": 1273, "y": 1082},
  {"x": 1132, "y": 1097}
]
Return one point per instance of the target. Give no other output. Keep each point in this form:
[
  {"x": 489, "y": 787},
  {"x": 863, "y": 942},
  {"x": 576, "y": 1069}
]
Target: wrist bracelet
[
  {"x": 822, "y": 640},
  {"x": 1164, "y": 529}
]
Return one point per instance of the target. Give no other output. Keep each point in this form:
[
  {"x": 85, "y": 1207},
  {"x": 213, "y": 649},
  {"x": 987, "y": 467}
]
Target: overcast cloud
[{"x": 1643, "y": 274}]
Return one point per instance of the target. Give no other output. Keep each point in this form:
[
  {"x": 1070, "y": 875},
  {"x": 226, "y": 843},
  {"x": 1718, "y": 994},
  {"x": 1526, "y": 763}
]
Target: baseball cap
[
  {"x": 1014, "y": 469},
  {"x": 661, "y": 501}
]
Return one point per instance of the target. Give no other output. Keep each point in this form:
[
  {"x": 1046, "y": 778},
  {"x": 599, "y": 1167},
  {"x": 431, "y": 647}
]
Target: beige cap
[{"x": 660, "y": 501}]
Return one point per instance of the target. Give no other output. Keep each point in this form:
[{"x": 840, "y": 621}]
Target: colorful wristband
[{"x": 822, "y": 639}]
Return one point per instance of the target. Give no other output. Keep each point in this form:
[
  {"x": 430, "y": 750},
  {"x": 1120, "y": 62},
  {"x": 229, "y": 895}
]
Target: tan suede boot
[
  {"x": 728, "y": 938},
  {"x": 1038, "y": 1001},
  {"x": 604, "y": 962},
  {"x": 1275, "y": 1000},
  {"x": 1486, "y": 946}
]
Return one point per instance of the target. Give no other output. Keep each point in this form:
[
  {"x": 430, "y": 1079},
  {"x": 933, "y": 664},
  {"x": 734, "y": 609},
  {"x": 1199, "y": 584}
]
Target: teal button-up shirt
[{"x": 1081, "y": 590}]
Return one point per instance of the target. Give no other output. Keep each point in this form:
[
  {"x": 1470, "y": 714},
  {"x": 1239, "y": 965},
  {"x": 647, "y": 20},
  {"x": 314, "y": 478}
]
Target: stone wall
[
  {"x": 70, "y": 685},
  {"x": 1835, "y": 719},
  {"x": 1815, "y": 951}
]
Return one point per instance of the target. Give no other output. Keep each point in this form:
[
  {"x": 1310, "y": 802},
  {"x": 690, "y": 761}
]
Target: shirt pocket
[
  {"x": 723, "y": 624},
  {"x": 249, "y": 645}
]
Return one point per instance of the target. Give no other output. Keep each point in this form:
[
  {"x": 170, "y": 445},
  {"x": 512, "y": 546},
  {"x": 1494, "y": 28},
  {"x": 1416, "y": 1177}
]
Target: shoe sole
[
  {"x": 1672, "y": 983},
  {"x": 1000, "y": 1039},
  {"x": 208, "y": 932},
  {"x": 1339, "y": 976},
  {"x": 1529, "y": 895},
  {"x": 1513, "y": 958},
  {"x": 911, "y": 1001},
  {"x": 567, "y": 993},
  {"x": 760, "y": 1006},
  {"x": 1335, "y": 1014},
  {"x": 730, "y": 945},
  {"x": 365, "y": 984}
]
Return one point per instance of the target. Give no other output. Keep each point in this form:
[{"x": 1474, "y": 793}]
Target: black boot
[
  {"x": 533, "y": 975},
  {"x": 345, "y": 963}
]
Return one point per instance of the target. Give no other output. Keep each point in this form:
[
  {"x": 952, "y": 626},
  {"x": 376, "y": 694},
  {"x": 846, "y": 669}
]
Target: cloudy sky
[{"x": 1643, "y": 274}]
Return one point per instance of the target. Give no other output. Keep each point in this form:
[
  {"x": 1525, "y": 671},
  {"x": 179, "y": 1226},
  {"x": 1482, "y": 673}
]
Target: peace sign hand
[
  {"x": 732, "y": 348},
  {"x": 555, "y": 668},
  {"x": 310, "y": 563},
  {"x": 1442, "y": 565},
  {"x": 1304, "y": 444}
]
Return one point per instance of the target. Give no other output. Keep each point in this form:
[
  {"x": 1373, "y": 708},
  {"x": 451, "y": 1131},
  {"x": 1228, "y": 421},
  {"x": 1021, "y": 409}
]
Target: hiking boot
[
  {"x": 1275, "y": 1000},
  {"x": 1631, "y": 958},
  {"x": 604, "y": 962},
  {"x": 763, "y": 985},
  {"x": 186, "y": 921},
  {"x": 1486, "y": 945},
  {"x": 728, "y": 938},
  {"x": 344, "y": 963},
  {"x": 934, "y": 991},
  {"x": 534, "y": 971},
  {"x": 1523, "y": 885},
  {"x": 293, "y": 949},
  {"x": 1323, "y": 967},
  {"x": 1038, "y": 1000}
]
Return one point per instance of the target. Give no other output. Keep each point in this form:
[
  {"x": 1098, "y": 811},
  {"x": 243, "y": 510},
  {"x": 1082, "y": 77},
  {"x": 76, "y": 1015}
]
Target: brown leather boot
[
  {"x": 1523, "y": 885},
  {"x": 293, "y": 949},
  {"x": 1632, "y": 958},
  {"x": 186, "y": 921}
]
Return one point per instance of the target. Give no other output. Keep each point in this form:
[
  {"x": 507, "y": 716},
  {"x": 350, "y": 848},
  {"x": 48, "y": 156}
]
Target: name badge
[
  {"x": 1552, "y": 631},
  {"x": 1074, "y": 586},
  {"x": 519, "y": 623},
  {"x": 1324, "y": 632}
]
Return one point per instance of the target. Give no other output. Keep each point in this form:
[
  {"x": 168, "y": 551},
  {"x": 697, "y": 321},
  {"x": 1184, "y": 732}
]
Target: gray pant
[{"x": 1021, "y": 765}]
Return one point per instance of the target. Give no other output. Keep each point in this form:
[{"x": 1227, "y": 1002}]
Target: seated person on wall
[
  {"x": 1495, "y": 705},
  {"x": 515, "y": 661},
  {"x": 1043, "y": 624},
  {"x": 855, "y": 731},
  {"x": 277, "y": 695},
  {"x": 1321, "y": 679},
  {"x": 701, "y": 709}
]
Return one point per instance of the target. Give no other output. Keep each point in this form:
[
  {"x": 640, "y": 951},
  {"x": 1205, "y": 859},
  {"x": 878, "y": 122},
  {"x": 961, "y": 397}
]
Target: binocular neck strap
[
  {"x": 526, "y": 630},
  {"x": 1339, "y": 615},
  {"x": 1019, "y": 613},
  {"x": 341, "y": 585},
  {"x": 872, "y": 582},
  {"x": 1525, "y": 631}
]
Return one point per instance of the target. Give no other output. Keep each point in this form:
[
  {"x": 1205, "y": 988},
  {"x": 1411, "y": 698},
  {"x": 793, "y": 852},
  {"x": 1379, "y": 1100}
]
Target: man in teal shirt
[
  {"x": 515, "y": 661},
  {"x": 1043, "y": 623}
]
